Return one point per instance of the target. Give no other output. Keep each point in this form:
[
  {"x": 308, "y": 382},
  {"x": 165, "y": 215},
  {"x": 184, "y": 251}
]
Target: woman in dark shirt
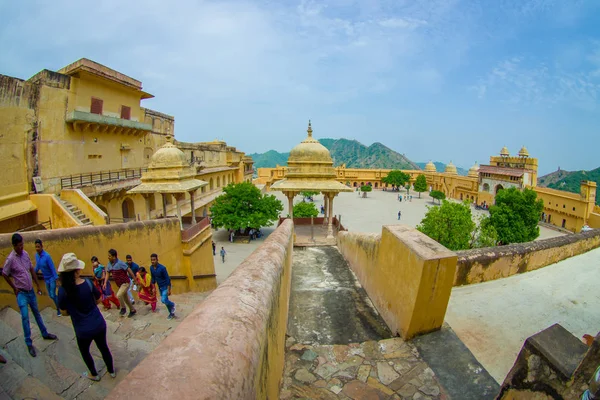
[{"x": 79, "y": 297}]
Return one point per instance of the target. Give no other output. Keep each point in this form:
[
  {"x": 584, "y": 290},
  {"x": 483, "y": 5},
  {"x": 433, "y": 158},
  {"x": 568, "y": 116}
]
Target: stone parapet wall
[
  {"x": 486, "y": 264},
  {"x": 232, "y": 345},
  {"x": 406, "y": 274}
]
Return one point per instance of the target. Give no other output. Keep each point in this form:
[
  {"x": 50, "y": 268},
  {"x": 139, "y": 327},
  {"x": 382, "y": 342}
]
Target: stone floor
[
  {"x": 387, "y": 369},
  {"x": 56, "y": 371}
]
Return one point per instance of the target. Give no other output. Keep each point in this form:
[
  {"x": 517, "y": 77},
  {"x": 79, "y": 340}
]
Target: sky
[{"x": 442, "y": 80}]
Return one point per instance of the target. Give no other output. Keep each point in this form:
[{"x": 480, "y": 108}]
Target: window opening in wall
[
  {"x": 125, "y": 112},
  {"x": 564, "y": 223},
  {"x": 96, "y": 107},
  {"x": 573, "y": 208},
  {"x": 563, "y": 206}
]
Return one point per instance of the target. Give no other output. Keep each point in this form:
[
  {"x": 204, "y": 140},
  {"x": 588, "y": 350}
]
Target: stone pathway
[
  {"x": 387, "y": 369},
  {"x": 56, "y": 371},
  {"x": 327, "y": 303}
]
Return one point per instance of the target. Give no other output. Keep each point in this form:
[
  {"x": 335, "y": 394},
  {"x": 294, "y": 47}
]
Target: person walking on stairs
[
  {"x": 107, "y": 294},
  {"x": 19, "y": 274},
  {"x": 161, "y": 278},
  {"x": 147, "y": 292},
  {"x": 44, "y": 262},
  {"x": 79, "y": 297},
  {"x": 134, "y": 268},
  {"x": 121, "y": 274}
]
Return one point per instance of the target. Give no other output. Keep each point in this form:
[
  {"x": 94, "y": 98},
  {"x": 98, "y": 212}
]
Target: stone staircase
[
  {"x": 56, "y": 371},
  {"x": 76, "y": 212}
]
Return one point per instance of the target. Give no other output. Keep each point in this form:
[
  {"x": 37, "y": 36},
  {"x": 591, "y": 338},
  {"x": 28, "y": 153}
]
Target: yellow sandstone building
[
  {"x": 79, "y": 151},
  {"x": 566, "y": 210}
]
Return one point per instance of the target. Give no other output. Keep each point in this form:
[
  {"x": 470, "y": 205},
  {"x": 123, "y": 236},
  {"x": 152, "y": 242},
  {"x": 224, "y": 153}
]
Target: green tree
[
  {"x": 515, "y": 215},
  {"x": 365, "y": 188},
  {"x": 305, "y": 210},
  {"x": 438, "y": 195},
  {"x": 450, "y": 224},
  {"x": 396, "y": 178},
  {"x": 420, "y": 184},
  {"x": 243, "y": 206},
  {"x": 308, "y": 194},
  {"x": 484, "y": 235}
]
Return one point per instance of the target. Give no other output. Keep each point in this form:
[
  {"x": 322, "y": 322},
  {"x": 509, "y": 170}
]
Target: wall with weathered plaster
[
  {"x": 139, "y": 239},
  {"x": 232, "y": 345},
  {"x": 407, "y": 275},
  {"x": 486, "y": 264}
]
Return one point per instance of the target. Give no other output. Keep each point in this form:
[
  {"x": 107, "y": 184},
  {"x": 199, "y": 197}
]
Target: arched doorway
[
  {"x": 461, "y": 197},
  {"x": 218, "y": 181},
  {"x": 499, "y": 188},
  {"x": 376, "y": 185},
  {"x": 211, "y": 184},
  {"x": 128, "y": 209},
  {"x": 486, "y": 187},
  {"x": 354, "y": 184}
]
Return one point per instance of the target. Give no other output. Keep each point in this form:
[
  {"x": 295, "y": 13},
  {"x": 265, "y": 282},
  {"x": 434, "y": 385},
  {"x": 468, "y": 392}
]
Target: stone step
[{"x": 16, "y": 383}]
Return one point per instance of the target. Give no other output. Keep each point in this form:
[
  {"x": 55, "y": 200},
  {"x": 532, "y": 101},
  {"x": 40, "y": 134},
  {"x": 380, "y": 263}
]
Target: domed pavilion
[
  {"x": 169, "y": 172},
  {"x": 310, "y": 168}
]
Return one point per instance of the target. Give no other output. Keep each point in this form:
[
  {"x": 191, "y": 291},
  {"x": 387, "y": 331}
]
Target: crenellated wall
[
  {"x": 406, "y": 274},
  {"x": 486, "y": 264},
  {"x": 232, "y": 345}
]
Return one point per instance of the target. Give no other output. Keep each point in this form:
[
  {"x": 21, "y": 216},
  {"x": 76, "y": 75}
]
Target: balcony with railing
[{"x": 100, "y": 177}]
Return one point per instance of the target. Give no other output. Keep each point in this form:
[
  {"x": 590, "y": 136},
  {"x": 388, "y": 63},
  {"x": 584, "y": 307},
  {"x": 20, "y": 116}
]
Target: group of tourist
[{"x": 79, "y": 296}]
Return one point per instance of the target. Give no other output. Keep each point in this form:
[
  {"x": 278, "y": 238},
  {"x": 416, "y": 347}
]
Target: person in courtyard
[
  {"x": 19, "y": 274},
  {"x": 107, "y": 293},
  {"x": 44, "y": 262},
  {"x": 134, "y": 268},
  {"x": 214, "y": 247},
  {"x": 121, "y": 273},
  {"x": 147, "y": 291},
  {"x": 399, "y": 215},
  {"x": 79, "y": 296},
  {"x": 161, "y": 278},
  {"x": 223, "y": 252}
]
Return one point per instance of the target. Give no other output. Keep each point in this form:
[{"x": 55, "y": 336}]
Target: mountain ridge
[{"x": 570, "y": 181}]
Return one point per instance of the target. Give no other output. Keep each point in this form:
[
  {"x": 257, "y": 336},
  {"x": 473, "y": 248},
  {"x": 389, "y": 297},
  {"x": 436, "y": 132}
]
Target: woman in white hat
[{"x": 79, "y": 297}]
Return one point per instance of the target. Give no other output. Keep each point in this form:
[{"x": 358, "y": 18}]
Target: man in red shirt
[
  {"x": 18, "y": 272},
  {"x": 120, "y": 272}
]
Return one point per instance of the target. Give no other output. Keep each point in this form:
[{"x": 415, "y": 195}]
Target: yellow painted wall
[
  {"x": 81, "y": 201},
  {"x": 594, "y": 221},
  {"x": 140, "y": 239},
  {"x": 407, "y": 275},
  {"x": 49, "y": 208},
  {"x": 242, "y": 325},
  {"x": 199, "y": 260},
  {"x": 482, "y": 265}
]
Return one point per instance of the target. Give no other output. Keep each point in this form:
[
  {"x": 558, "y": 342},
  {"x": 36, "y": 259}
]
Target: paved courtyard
[
  {"x": 358, "y": 215},
  {"x": 494, "y": 318}
]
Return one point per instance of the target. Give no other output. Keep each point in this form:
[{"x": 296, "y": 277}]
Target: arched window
[
  {"x": 486, "y": 187},
  {"x": 128, "y": 209},
  {"x": 499, "y": 188},
  {"x": 218, "y": 181},
  {"x": 211, "y": 184}
]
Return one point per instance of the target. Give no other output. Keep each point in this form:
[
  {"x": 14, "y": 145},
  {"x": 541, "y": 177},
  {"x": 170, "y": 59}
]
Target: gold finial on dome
[
  {"x": 451, "y": 169},
  {"x": 523, "y": 152},
  {"x": 309, "y": 130},
  {"x": 430, "y": 167},
  {"x": 504, "y": 152},
  {"x": 474, "y": 170}
]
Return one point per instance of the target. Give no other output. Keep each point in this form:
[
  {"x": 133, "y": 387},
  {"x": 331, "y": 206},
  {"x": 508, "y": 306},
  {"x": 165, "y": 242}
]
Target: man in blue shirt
[
  {"x": 160, "y": 277},
  {"x": 43, "y": 262}
]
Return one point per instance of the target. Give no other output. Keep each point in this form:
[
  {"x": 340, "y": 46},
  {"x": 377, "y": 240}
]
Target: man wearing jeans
[
  {"x": 120, "y": 273},
  {"x": 18, "y": 266},
  {"x": 160, "y": 276},
  {"x": 43, "y": 262}
]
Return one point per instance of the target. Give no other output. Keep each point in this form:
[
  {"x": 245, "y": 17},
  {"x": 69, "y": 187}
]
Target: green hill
[
  {"x": 440, "y": 167},
  {"x": 570, "y": 180},
  {"x": 343, "y": 151}
]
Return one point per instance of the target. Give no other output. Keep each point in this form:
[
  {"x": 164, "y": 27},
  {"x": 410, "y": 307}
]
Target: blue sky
[{"x": 447, "y": 80}]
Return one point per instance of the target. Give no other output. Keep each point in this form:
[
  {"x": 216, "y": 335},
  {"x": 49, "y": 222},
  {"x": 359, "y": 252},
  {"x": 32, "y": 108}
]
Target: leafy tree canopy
[
  {"x": 366, "y": 188},
  {"x": 438, "y": 195},
  {"x": 515, "y": 215},
  {"x": 420, "y": 184},
  {"x": 484, "y": 235},
  {"x": 450, "y": 224},
  {"x": 305, "y": 210},
  {"x": 243, "y": 206},
  {"x": 396, "y": 178}
]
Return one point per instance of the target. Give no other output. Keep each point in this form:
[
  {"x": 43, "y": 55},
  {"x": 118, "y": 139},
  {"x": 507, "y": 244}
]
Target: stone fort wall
[
  {"x": 232, "y": 345},
  {"x": 486, "y": 264}
]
